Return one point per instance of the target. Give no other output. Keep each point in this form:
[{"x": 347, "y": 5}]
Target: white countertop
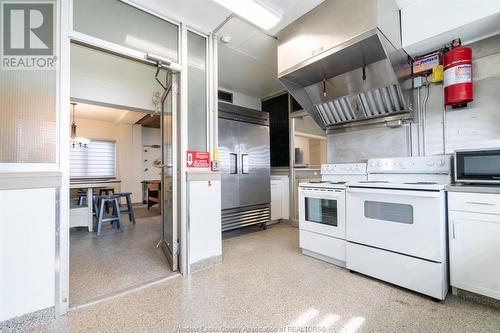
[
  {"x": 494, "y": 189},
  {"x": 85, "y": 183}
]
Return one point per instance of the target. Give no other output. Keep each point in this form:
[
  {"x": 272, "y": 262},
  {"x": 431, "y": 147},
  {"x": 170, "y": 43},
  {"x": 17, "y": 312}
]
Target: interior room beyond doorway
[{"x": 122, "y": 157}]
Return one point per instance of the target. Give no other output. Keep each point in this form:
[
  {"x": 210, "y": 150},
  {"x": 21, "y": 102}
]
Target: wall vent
[
  {"x": 225, "y": 96},
  {"x": 373, "y": 103}
]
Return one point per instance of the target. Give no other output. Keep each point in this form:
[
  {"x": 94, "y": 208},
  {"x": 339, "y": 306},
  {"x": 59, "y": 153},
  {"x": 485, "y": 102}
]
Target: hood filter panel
[{"x": 373, "y": 103}]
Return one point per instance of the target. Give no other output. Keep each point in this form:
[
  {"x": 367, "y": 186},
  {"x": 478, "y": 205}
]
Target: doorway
[{"x": 129, "y": 149}]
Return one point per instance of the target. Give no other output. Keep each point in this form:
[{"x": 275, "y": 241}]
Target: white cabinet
[
  {"x": 474, "y": 243},
  {"x": 276, "y": 199},
  {"x": 204, "y": 209},
  {"x": 469, "y": 20},
  {"x": 279, "y": 198}
]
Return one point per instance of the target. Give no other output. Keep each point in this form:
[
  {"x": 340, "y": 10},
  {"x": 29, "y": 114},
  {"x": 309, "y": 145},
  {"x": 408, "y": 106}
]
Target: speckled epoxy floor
[
  {"x": 114, "y": 261},
  {"x": 264, "y": 282}
]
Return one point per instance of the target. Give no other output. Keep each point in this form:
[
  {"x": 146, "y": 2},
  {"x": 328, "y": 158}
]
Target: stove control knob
[
  {"x": 430, "y": 163},
  {"x": 379, "y": 164},
  {"x": 441, "y": 162}
]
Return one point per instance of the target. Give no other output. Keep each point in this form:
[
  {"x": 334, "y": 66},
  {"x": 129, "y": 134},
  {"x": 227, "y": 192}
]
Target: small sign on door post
[{"x": 197, "y": 159}]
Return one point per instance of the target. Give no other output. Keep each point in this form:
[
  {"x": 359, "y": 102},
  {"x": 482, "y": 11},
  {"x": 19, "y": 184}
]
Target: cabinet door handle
[
  {"x": 453, "y": 229},
  {"x": 245, "y": 164},
  {"x": 233, "y": 163},
  {"x": 480, "y": 203}
]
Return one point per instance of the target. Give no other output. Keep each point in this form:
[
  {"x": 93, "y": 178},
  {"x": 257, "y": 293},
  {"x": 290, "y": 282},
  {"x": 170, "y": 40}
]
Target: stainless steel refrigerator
[{"x": 245, "y": 165}]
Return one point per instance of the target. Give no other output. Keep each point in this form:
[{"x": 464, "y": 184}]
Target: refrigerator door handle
[
  {"x": 233, "y": 163},
  {"x": 245, "y": 159}
]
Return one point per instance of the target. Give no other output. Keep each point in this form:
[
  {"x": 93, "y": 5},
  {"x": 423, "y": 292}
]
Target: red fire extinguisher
[{"x": 458, "y": 75}]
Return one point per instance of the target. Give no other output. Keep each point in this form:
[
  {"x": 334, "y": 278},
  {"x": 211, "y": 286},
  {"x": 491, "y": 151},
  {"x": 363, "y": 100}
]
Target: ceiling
[
  {"x": 101, "y": 113},
  {"x": 150, "y": 120},
  {"x": 404, "y": 3},
  {"x": 247, "y": 64}
]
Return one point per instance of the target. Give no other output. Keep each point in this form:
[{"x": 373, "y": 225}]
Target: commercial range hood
[{"x": 343, "y": 61}]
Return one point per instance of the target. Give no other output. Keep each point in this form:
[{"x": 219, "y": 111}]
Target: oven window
[
  {"x": 388, "y": 211},
  {"x": 322, "y": 211}
]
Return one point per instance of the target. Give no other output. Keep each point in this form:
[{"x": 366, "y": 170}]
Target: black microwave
[{"x": 477, "y": 166}]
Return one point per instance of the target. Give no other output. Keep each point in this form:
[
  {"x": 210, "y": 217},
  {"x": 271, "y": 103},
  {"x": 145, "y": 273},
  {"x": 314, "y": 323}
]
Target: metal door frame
[{"x": 171, "y": 254}]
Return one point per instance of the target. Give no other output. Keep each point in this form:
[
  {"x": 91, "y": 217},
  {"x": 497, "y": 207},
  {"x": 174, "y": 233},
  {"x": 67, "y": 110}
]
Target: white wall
[
  {"x": 151, "y": 136},
  {"x": 303, "y": 144},
  {"x": 27, "y": 251},
  {"x": 129, "y": 159},
  {"x": 244, "y": 100},
  {"x": 128, "y": 150},
  {"x": 446, "y": 20},
  {"x": 105, "y": 78}
]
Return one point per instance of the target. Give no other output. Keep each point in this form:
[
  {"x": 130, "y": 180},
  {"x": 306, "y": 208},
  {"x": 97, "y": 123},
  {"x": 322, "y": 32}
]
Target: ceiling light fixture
[
  {"x": 225, "y": 39},
  {"x": 75, "y": 141},
  {"x": 252, "y": 11}
]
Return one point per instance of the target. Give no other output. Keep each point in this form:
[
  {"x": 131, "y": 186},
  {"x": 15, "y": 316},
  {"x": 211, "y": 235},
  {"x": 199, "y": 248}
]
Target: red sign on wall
[{"x": 197, "y": 159}]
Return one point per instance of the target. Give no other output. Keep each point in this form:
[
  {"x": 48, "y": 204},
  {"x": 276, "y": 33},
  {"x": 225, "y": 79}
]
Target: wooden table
[
  {"x": 152, "y": 185},
  {"x": 87, "y": 220}
]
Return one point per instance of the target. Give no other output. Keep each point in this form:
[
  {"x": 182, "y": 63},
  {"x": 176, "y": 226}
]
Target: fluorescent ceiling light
[{"x": 252, "y": 11}]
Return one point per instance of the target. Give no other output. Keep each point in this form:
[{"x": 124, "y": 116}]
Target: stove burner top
[
  {"x": 421, "y": 183},
  {"x": 318, "y": 181},
  {"x": 338, "y": 183}
]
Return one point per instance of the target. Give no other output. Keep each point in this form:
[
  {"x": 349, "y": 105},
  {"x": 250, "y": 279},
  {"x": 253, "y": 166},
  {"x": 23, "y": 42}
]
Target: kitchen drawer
[
  {"x": 485, "y": 203},
  {"x": 329, "y": 247}
]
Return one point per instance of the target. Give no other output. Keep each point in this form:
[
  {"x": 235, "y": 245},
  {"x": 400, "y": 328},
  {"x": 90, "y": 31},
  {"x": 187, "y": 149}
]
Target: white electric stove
[
  {"x": 397, "y": 223},
  {"x": 322, "y": 212}
]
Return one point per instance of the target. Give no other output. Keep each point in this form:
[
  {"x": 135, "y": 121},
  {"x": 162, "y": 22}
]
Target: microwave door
[{"x": 477, "y": 166}]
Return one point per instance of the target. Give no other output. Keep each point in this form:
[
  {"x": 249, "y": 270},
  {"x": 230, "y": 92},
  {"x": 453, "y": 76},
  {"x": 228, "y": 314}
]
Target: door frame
[
  {"x": 68, "y": 35},
  {"x": 62, "y": 233},
  {"x": 172, "y": 253}
]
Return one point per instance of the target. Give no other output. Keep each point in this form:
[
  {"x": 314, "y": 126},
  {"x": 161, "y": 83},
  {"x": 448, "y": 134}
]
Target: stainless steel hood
[{"x": 343, "y": 61}]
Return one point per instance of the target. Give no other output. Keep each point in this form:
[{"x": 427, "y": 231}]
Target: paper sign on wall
[{"x": 197, "y": 159}]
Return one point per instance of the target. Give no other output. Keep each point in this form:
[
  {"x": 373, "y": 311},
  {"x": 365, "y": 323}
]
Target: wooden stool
[
  {"x": 115, "y": 216},
  {"x": 82, "y": 197},
  {"x": 129, "y": 211},
  {"x": 107, "y": 191}
]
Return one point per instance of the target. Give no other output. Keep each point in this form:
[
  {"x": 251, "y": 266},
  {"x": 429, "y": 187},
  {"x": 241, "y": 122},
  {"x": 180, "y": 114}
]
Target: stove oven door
[
  {"x": 410, "y": 222},
  {"x": 322, "y": 211}
]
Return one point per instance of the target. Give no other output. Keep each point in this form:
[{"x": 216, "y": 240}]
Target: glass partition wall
[
  {"x": 197, "y": 92},
  {"x": 28, "y": 130},
  {"x": 122, "y": 24},
  {"x": 135, "y": 33}
]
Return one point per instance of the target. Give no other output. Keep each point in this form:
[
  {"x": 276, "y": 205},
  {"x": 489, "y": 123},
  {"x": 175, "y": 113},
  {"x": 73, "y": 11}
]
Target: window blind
[{"x": 95, "y": 161}]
